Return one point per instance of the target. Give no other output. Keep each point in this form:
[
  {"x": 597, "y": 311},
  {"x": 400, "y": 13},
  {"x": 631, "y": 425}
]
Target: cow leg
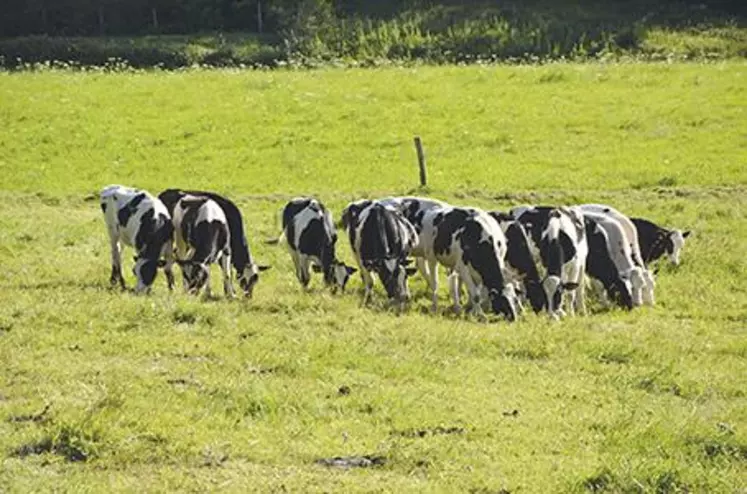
[
  {"x": 208, "y": 290},
  {"x": 368, "y": 284},
  {"x": 551, "y": 284},
  {"x": 648, "y": 294},
  {"x": 455, "y": 291},
  {"x": 475, "y": 293},
  {"x": 116, "y": 276},
  {"x": 424, "y": 269},
  {"x": 305, "y": 273},
  {"x": 430, "y": 272},
  {"x": 168, "y": 268},
  {"x": 225, "y": 266}
]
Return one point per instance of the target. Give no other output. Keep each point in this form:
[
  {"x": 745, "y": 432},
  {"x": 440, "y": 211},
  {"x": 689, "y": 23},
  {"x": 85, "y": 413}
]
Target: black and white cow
[
  {"x": 601, "y": 266},
  {"x": 381, "y": 239},
  {"x": 311, "y": 236},
  {"x": 247, "y": 270},
  {"x": 469, "y": 242},
  {"x": 655, "y": 241},
  {"x": 202, "y": 238},
  {"x": 560, "y": 235},
  {"x": 631, "y": 238},
  {"x": 138, "y": 219},
  {"x": 521, "y": 260}
]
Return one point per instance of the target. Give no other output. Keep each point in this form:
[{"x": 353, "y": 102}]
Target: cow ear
[
  {"x": 315, "y": 268},
  {"x": 263, "y": 267},
  {"x": 686, "y": 234}
]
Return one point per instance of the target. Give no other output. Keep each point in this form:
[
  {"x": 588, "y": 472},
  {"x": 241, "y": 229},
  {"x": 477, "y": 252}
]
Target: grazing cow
[
  {"x": 631, "y": 236},
  {"x": 202, "y": 238},
  {"x": 138, "y": 219},
  {"x": 470, "y": 243},
  {"x": 247, "y": 271},
  {"x": 311, "y": 236},
  {"x": 609, "y": 260},
  {"x": 520, "y": 260},
  {"x": 655, "y": 241},
  {"x": 381, "y": 239},
  {"x": 560, "y": 235}
]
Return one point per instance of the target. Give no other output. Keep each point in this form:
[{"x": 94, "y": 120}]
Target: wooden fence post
[{"x": 421, "y": 161}]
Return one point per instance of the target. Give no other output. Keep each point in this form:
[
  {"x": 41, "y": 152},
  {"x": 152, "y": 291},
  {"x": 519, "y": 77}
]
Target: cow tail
[{"x": 277, "y": 226}]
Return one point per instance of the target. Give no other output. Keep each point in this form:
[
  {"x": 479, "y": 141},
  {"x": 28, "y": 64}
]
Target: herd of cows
[{"x": 530, "y": 255}]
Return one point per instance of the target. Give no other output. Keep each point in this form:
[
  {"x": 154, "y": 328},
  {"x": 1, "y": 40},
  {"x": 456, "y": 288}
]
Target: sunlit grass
[{"x": 169, "y": 392}]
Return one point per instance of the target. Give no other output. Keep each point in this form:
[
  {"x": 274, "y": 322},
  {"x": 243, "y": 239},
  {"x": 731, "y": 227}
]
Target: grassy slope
[{"x": 170, "y": 392}]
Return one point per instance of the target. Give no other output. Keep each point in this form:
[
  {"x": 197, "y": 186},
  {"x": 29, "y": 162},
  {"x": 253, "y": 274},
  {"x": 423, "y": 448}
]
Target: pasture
[{"x": 167, "y": 392}]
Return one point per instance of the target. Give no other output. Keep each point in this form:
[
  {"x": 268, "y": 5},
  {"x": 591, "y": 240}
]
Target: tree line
[
  {"x": 136, "y": 17},
  {"x": 131, "y": 17}
]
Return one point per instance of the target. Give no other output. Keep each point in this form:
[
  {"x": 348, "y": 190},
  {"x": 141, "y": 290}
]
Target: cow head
[
  {"x": 504, "y": 301},
  {"x": 675, "y": 241},
  {"x": 249, "y": 277},
  {"x": 145, "y": 270},
  {"x": 194, "y": 275},
  {"x": 620, "y": 292},
  {"x": 339, "y": 274},
  {"x": 536, "y": 295},
  {"x": 393, "y": 273}
]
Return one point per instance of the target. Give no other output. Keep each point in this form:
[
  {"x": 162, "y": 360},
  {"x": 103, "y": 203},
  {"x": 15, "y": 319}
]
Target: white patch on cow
[
  {"x": 678, "y": 241},
  {"x": 391, "y": 264}
]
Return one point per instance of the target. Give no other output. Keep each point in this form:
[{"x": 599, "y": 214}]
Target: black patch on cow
[
  {"x": 154, "y": 232},
  {"x": 601, "y": 266},
  {"x": 535, "y": 221},
  {"x": 208, "y": 239},
  {"x": 381, "y": 240},
  {"x": 380, "y": 235},
  {"x": 350, "y": 218},
  {"x": 415, "y": 214},
  {"x": 291, "y": 210},
  {"x": 130, "y": 208},
  {"x": 519, "y": 256},
  {"x": 555, "y": 252},
  {"x": 103, "y": 207},
  {"x": 482, "y": 256},
  {"x": 447, "y": 226},
  {"x": 653, "y": 240}
]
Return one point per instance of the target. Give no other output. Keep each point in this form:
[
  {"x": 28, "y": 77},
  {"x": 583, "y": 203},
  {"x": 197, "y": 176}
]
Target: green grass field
[{"x": 168, "y": 392}]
